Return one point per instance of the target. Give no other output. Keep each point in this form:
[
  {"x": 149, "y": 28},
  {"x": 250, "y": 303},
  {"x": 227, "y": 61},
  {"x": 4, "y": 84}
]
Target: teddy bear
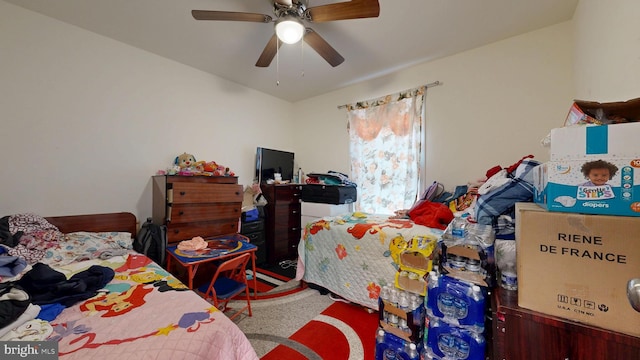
[
  {"x": 185, "y": 164},
  {"x": 185, "y": 161}
]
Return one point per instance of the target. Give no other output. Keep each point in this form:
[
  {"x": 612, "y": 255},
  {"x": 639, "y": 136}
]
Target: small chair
[{"x": 229, "y": 280}]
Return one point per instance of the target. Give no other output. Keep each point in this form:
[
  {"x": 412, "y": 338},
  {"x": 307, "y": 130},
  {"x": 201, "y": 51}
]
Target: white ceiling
[{"x": 407, "y": 32}]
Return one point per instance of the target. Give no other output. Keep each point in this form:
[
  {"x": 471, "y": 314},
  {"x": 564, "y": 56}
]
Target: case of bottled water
[
  {"x": 456, "y": 302},
  {"x": 445, "y": 341}
]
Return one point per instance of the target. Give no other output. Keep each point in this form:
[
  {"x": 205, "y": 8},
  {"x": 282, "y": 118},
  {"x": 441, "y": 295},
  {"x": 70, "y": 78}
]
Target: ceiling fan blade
[
  {"x": 354, "y": 9},
  {"x": 230, "y": 16},
  {"x": 269, "y": 52},
  {"x": 322, "y": 47}
]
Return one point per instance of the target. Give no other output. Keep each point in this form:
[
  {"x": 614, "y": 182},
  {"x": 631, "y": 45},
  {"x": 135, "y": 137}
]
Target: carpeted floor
[
  {"x": 271, "y": 276},
  {"x": 286, "y": 268},
  {"x": 295, "y": 322}
]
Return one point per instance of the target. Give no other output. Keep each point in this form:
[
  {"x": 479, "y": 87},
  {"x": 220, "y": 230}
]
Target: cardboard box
[
  {"x": 415, "y": 321},
  {"x": 594, "y": 142},
  {"x": 591, "y": 112},
  {"x": 578, "y": 267},
  {"x": 562, "y": 184},
  {"x": 415, "y": 262}
]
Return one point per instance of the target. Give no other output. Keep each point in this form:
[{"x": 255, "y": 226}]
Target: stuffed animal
[
  {"x": 186, "y": 165},
  {"x": 185, "y": 161}
]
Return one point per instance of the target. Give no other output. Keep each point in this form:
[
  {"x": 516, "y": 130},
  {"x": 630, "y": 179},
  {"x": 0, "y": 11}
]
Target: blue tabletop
[{"x": 218, "y": 246}]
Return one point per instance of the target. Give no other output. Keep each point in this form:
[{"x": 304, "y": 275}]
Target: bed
[
  {"x": 143, "y": 312},
  {"x": 355, "y": 255}
]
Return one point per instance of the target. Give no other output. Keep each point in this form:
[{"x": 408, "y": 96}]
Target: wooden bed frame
[{"x": 122, "y": 221}]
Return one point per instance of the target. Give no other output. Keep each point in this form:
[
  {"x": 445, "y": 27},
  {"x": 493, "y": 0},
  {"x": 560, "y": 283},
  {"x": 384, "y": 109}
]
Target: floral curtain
[{"x": 386, "y": 146}]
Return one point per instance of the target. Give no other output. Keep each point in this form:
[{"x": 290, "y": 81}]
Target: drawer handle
[
  {"x": 237, "y": 192},
  {"x": 181, "y": 213},
  {"x": 183, "y": 193},
  {"x": 296, "y": 195},
  {"x": 176, "y": 231},
  {"x": 294, "y": 212}
]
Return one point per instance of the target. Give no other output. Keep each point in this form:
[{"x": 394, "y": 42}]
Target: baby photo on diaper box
[
  {"x": 592, "y": 170},
  {"x": 597, "y": 173},
  {"x": 600, "y": 186}
]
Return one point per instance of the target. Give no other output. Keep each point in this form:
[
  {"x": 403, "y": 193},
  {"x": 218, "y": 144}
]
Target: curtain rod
[{"x": 432, "y": 84}]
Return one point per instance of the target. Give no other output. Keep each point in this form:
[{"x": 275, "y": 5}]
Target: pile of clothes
[
  {"x": 492, "y": 201},
  {"x": 32, "y": 293}
]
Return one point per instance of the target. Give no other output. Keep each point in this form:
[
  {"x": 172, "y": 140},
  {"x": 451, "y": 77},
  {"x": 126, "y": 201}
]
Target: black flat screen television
[{"x": 270, "y": 161}]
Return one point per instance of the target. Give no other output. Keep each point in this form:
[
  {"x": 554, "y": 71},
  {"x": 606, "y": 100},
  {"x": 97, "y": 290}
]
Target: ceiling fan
[{"x": 290, "y": 16}]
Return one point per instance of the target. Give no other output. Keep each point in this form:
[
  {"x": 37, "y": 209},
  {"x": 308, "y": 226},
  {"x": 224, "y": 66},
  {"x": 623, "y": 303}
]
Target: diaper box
[
  {"x": 580, "y": 267},
  {"x": 593, "y": 169}
]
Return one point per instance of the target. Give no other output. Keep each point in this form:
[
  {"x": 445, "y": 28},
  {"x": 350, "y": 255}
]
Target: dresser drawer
[
  {"x": 187, "y": 231},
  {"x": 289, "y": 214},
  {"x": 288, "y": 193},
  {"x": 184, "y": 213},
  {"x": 255, "y": 237},
  {"x": 252, "y": 226},
  {"x": 189, "y": 193}
]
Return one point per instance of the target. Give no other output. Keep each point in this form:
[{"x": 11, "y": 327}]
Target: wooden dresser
[
  {"x": 521, "y": 334},
  {"x": 197, "y": 205},
  {"x": 282, "y": 221}
]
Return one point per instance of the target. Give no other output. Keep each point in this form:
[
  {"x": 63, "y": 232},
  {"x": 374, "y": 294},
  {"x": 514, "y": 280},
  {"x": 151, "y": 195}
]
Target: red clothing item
[{"x": 431, "y": 214}]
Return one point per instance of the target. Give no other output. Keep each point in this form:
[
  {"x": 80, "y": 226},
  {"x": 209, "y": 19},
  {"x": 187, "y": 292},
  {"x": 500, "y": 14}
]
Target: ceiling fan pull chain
[
  {"x": 277, "y": 62},
  {"x": 302, "y": 58}
]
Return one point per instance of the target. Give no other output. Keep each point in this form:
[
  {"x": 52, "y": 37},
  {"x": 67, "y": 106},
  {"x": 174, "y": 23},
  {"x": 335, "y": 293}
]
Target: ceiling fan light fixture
[{"x": 289, "y": 30}]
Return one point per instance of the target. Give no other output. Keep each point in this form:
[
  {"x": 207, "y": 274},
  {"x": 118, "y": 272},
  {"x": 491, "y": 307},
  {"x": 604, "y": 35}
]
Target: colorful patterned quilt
[
  {"x": 145, "y": 313},
  {"x": 355, "y": 255}
]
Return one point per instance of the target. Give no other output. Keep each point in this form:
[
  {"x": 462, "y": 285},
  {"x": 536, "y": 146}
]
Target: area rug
[
  {"x": 270, "y": 277},
  {"x": 297, "y": 322}
]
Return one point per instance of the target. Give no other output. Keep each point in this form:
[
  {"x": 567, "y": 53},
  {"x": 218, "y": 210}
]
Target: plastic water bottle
[
  {"x": 380, "y": 345},
  {"x": 412, "y": 351},
  {"x": 393, "y": 320},
  {"x": 458, "y": 228},
  {"x": 384, "y": 293},
  {"x": 457, "y": 262},
  {"x": 509, "y": 280},
  {"x": 457, "y": 302},
  {"x": 452, "y": 342},
  {"x": 460, "y": 308},
  {"x": 393, "y": 297},
  {"x": 380, "y": 336},
  {"x": 402, "y": 324},
  {"x": 473, "y": 265},
  {"x": 403, "y": 302},
  {"x": 389, "y": 346},
  {"x": 446, "y": 304},
  {"x": 427, "y": 355},
  {"x": 415, "y": 302}
]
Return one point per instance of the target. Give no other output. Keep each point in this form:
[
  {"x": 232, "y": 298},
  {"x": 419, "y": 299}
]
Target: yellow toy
[{"x": 415, "y": 262}]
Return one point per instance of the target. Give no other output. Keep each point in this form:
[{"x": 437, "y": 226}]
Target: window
[{"x": 387, "y": 151}]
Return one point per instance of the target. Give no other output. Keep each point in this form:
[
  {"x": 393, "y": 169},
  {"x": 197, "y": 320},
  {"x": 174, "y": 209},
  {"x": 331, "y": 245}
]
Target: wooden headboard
[{"x": 122, "y": 221}]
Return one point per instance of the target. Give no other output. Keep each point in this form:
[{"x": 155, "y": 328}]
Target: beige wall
[
  {"x": 495, "y": 105},
  {"x": 87, "y": 120},
  {"x": 607, "y": 50}
]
